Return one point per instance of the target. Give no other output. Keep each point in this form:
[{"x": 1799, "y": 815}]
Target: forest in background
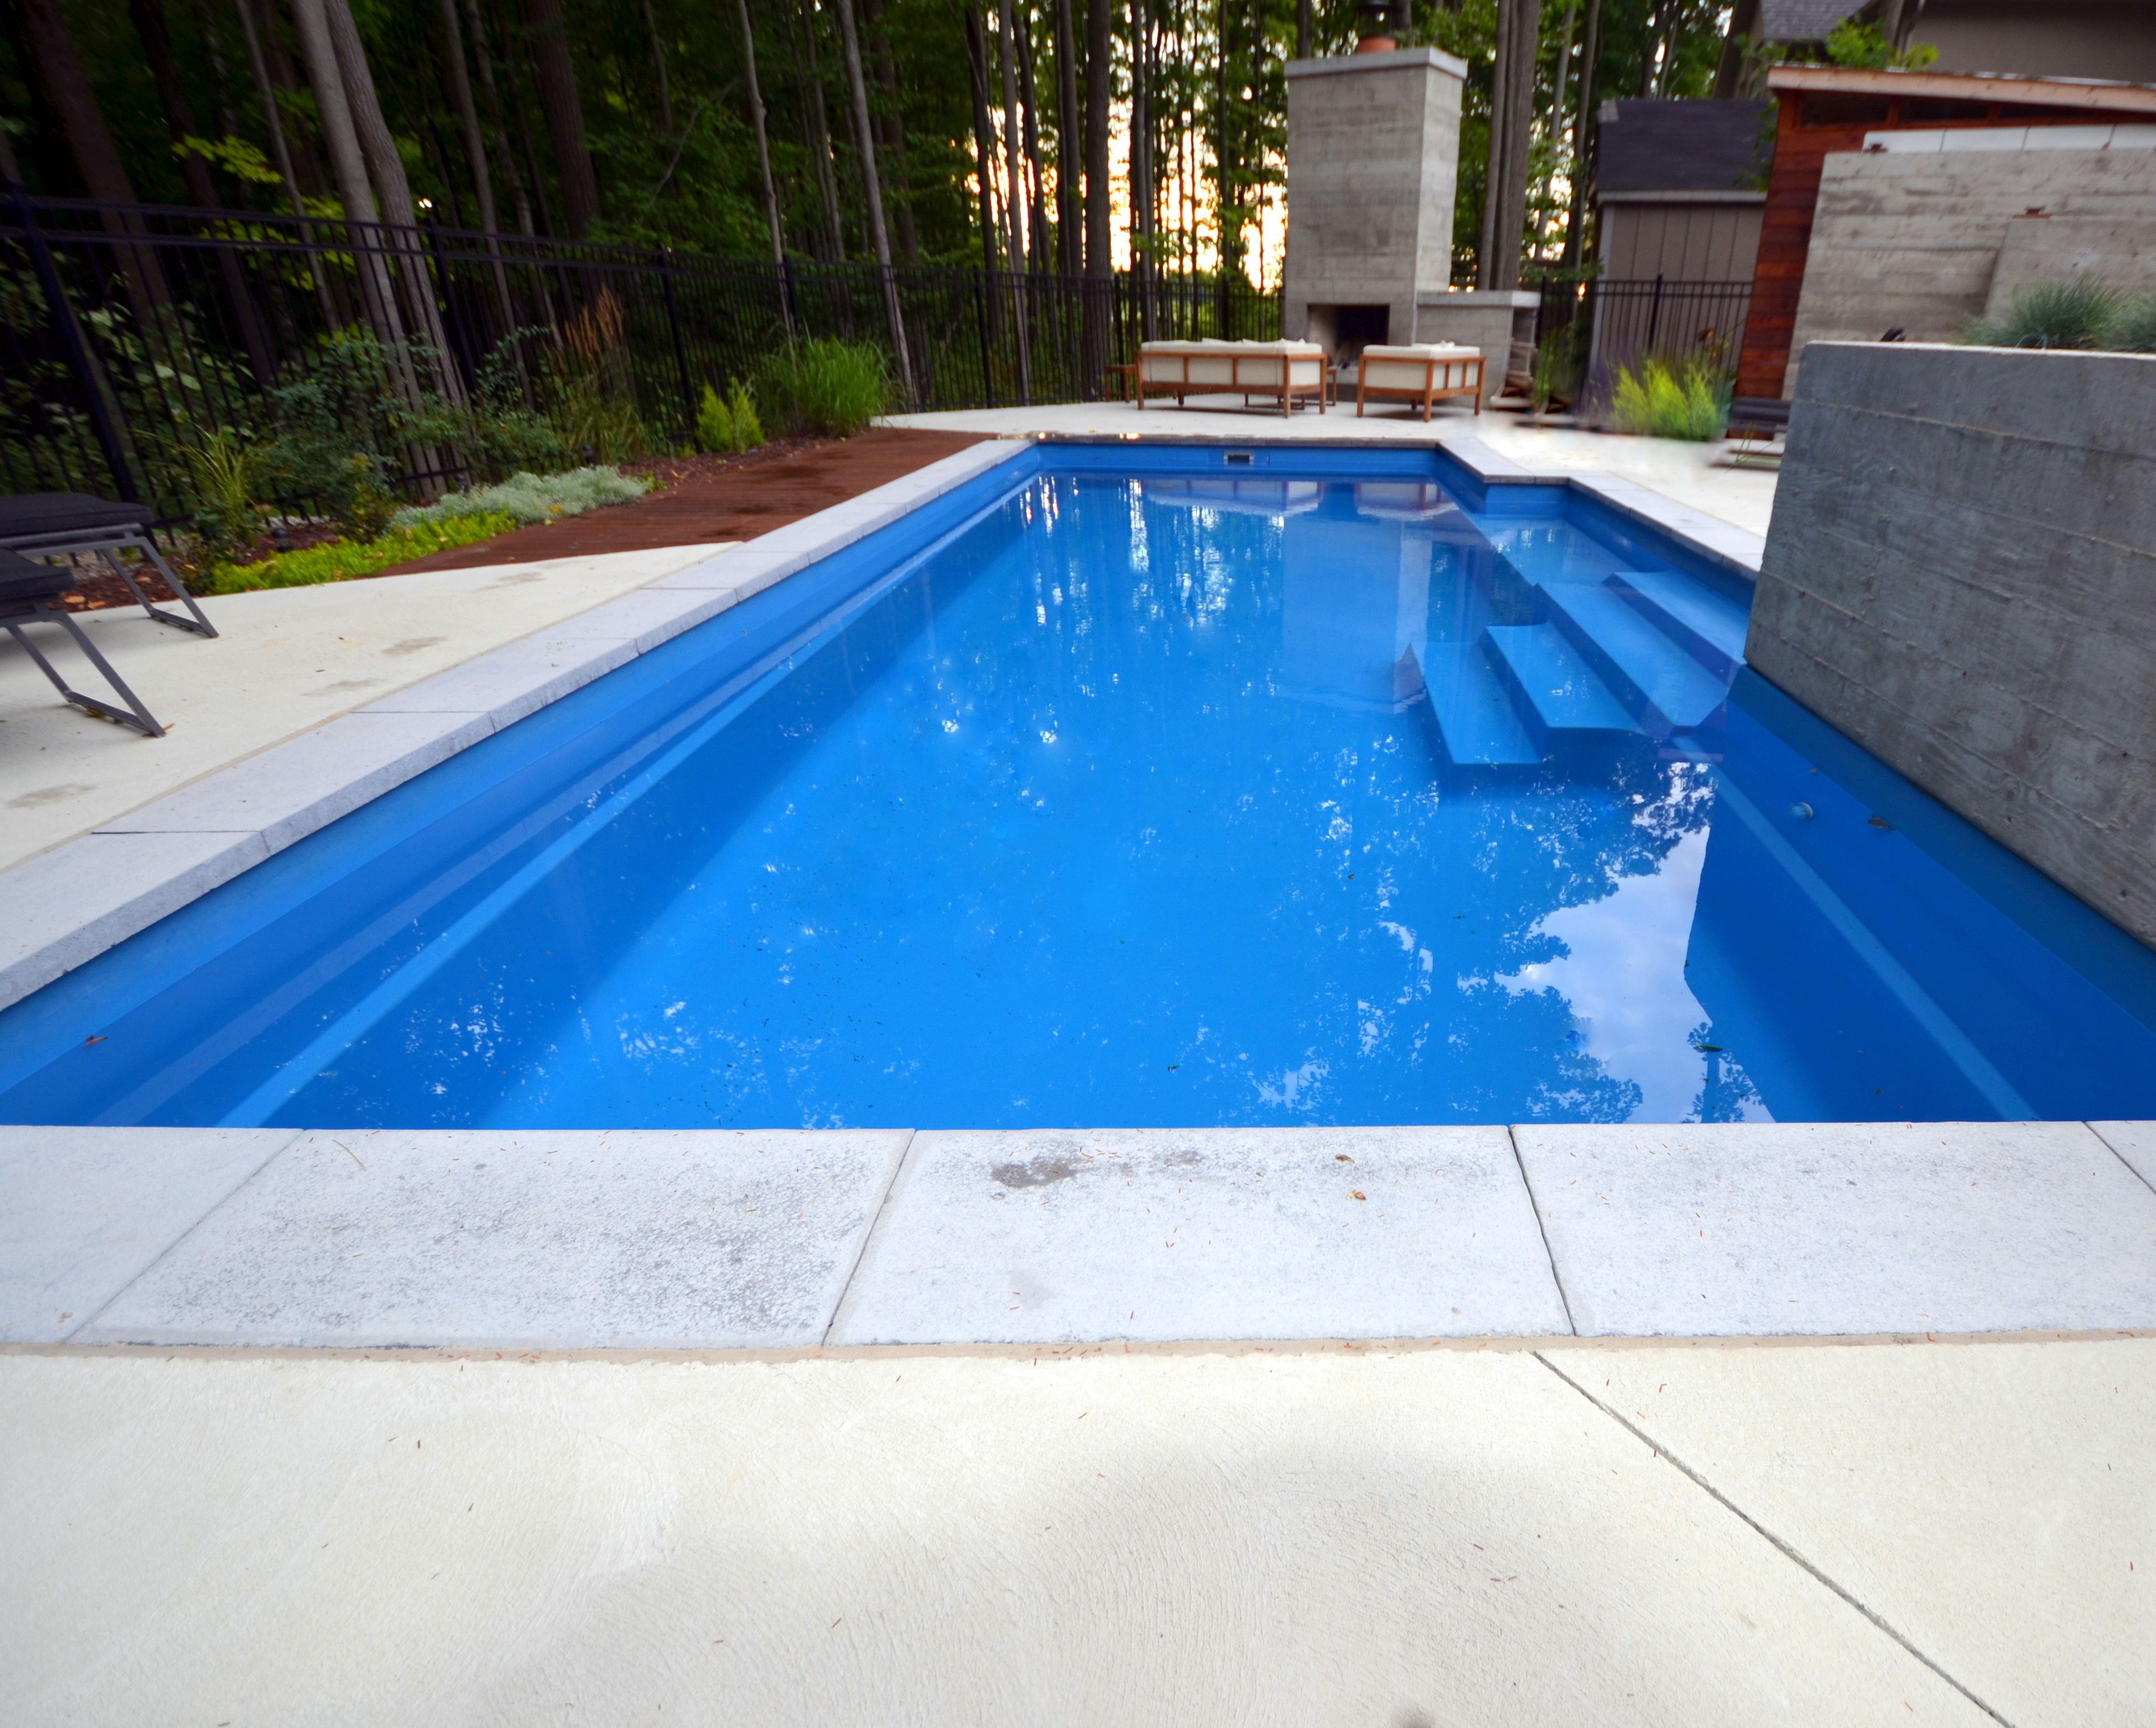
[{"x": 638, "y": 120}]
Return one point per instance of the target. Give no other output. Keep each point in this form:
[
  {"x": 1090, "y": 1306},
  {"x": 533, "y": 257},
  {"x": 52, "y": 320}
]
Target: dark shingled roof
[
  {"x": 1682, "y": 146},
  {"x": 1803, "y": 20}
]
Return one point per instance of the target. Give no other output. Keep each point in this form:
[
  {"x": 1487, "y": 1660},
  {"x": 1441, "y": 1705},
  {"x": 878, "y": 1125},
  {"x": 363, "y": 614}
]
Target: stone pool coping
[
  {"x": 653, "y": 1240},
  {"x": 718, "y": 1240},
  {"x": 71, "y": 904}
]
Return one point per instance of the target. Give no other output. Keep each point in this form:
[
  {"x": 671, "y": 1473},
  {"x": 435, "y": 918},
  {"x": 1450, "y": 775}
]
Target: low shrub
[
  {"x": 727, "y": 425},
  {"x": 1663, "y": 398},
  {"x": 2052, "y": 315},
  {"x": 828, "y": 388},
  {"x": 531, "y": 498},
  {"x": 220, "y": 463},
  {"x": 341, "y": 560},
  {"x": 2135, "y": 331}
]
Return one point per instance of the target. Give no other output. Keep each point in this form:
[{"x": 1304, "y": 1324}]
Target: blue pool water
[{"x": 1133, "y": 787}]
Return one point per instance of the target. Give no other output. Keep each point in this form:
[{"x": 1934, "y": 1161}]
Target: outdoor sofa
[
  {"x": 29, "y": 594},
  {"x": 1424, "y": 372},
  {"x": 1287, "y": 371},
  {"x": 57, "y": 524}
]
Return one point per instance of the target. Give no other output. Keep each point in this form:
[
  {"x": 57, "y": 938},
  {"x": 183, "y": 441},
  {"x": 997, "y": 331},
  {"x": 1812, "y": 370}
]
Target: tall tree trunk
[
  {"x": 96, "y": 156},
  {"x": 820, "y": 141},
  {"x": 375, "y": 296},
  {"x": 149, "y": 18},
  {"x": 1144, "y": 170},
  {"x": 1511, "y": 121},
  {"x": 385, "y": 167},
  {"x": 280, "y": 154},
  {"x": 1729, "y": 71},
  {"x": 489, "y": 220},
  {"x": 1559, "y": 89},
  {"x": 1014, "y": 199},
  {"x": 659, "y": 70},
  {"x": 762, "y": 150},
  {"x": 1070, "y": 224},
  {"x": 1583, "y": 138},
  {"x": 1038, "y": 254},
  {"x": 483, "y": 52},
  {"x": 865, "y": 138},
  {"x": 555, "y": 73},
  {"x": 984, "y": 141},
  {"x": 890, "y": 129},
  {"x": 1100, "y": 95}
]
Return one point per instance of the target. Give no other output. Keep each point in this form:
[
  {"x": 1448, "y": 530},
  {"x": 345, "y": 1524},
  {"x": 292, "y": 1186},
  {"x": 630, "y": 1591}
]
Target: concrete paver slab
[
  {"x": 1358, "y": 1538},
  {"x": 284, "y": 660},
  {"x": 2134, "y": 1141},
  {"x": 66, "y": 908},
  {"x": 307, "y": 782},
  {"x": 565, "y": 1240},
  {"x": 1995, "y": 1503},
  {"x": 1758, "y": 1228},
  {"x": 516, "y": 680},
  {"x": 1213, "y": 1233},
  {"x": 87, "y": 1209}
]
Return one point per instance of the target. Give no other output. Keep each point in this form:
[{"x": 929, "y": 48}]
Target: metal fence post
[
  {"x": 78, "y": 352},
  {"x": 1655, "y": 315},
  {"x": 681, "y": 350}
]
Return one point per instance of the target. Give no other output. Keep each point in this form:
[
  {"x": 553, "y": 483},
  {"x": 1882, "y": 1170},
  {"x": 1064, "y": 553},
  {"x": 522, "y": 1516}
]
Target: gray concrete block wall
[
  {"x": 1961, "y": 575},
  {"x": 1914, "y": 239},
  {"x": 1373, "y": 153}
]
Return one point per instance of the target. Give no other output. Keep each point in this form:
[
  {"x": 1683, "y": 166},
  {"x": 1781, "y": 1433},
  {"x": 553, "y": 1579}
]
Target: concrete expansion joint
[{"x": 1783, "y": 1547}]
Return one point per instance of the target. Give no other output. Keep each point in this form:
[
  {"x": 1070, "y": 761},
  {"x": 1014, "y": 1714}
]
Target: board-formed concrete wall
[
  {"x": 1914, "y": 239},
  {"x": 1372, "y": 152},
  {"x": 1961, "y": 575}
]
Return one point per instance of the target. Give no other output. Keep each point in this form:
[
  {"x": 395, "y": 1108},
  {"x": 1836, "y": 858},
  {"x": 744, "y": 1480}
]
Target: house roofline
[{"x": 2095, "y": 94}]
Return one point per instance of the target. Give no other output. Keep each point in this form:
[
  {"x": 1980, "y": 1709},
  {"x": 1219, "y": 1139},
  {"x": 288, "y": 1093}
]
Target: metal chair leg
[
  {"x": 199, "y": 625},
  {"x": 140, "y": 718}
]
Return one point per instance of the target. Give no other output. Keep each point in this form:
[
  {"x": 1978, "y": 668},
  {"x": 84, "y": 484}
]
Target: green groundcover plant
[
  {"x": 531, "y": 498},
  {"x": 338, "y": 560},
  {"x": 1671, "y": 399}
]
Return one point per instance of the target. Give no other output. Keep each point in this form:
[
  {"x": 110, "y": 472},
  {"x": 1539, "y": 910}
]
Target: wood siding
[{"x": 1696, "y": 242}]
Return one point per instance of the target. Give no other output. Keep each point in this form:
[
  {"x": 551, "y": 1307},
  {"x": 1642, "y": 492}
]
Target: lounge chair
[
  {"x": 29, "y": 594},
  {"x": 54, "y": 524},
  {"x": 1288, "y": 372},
  {"x": 1424, "y": 372}
]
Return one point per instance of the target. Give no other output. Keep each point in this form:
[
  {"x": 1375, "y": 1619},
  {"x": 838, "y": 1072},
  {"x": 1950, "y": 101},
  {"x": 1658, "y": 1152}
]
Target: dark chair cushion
[
  {"x": 59, "y": 513},
  {"x": 23, "y": 579}
]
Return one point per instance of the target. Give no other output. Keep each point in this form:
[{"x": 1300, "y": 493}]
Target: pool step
[
  {"x": 1709, "y": 622},
  {"x": 1551, "y": 683},
  {"x": 1657, "y": 676},
  {"x": 1475, "y": 710}
]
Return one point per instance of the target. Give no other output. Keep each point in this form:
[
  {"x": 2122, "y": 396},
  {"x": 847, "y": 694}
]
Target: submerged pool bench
[{"x": 1290, "y": 372}]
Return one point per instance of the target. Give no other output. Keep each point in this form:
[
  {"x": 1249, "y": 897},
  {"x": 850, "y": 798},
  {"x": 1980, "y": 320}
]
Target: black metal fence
[
  {"x": 1609, "y": 323},
  {"x": 130, "y": 333}
]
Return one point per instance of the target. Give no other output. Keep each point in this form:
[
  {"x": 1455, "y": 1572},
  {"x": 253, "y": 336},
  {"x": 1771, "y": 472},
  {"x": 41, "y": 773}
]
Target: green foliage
[
  {"x": 1671, "y": 399},
  {"x": 1866, "y": 46},
  {"x": 341, "y": 560},
  {"x": 591, "y": 398},
  {"x": 2134, "y": 331},
  {"x": 728, "y": 424},
  {"x": 2052, "y": 315},
  {"x": 829, "y": 388},
  {"x": 533, "y": 498},
  {"x": 220, "y": 466}
]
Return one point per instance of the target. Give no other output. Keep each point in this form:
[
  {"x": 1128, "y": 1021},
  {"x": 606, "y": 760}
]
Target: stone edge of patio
[{"x": 791, "y": 1240}]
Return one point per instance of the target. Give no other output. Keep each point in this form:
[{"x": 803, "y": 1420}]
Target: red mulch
[
  {"x": 719, "y": 497},
  {"x": 700, "y": 499}
]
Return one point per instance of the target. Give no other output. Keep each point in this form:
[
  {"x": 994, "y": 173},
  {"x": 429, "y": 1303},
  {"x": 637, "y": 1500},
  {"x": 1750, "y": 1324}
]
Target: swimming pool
[{"x": 1147, "y": 786}]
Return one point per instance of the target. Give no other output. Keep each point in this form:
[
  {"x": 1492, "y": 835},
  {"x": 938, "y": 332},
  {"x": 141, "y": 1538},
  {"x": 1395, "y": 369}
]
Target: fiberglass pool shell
[{"x": 1151, "y": 787}]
